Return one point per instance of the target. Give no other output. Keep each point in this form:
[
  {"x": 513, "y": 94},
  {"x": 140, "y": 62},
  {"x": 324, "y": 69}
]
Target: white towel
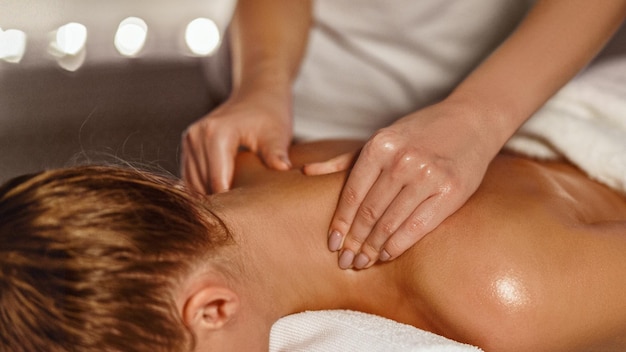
[
  {"x": 350, "y": 331},
  {"x": 585, "y": 123}
]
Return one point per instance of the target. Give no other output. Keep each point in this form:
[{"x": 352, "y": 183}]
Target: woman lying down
[{"x": 108, "y": 259}]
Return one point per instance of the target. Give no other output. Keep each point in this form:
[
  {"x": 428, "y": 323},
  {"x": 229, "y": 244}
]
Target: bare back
[
  {"x": 535, "y": 260},
  {"x": 536, "y": 243}
]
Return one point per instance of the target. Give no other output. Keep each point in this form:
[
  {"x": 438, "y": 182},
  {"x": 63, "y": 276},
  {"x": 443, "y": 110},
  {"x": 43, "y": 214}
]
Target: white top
[{"x": 370, "y": 62}]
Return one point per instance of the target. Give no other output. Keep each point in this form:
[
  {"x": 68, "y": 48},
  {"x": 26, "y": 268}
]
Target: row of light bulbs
[{"x": 68, "y": 42}]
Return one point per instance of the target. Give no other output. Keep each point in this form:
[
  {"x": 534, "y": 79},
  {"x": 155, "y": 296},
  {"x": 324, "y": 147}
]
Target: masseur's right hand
[
  {"x": 268, "y": 38},
  {"x": 257, "y": 119}
]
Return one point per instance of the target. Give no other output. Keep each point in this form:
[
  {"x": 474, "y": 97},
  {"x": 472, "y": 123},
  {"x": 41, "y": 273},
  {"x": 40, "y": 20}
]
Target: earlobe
[{"x": 210, "y": 308}]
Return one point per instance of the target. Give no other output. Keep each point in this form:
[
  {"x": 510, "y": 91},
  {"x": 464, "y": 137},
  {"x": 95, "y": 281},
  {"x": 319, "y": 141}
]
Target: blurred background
[
  {"x": 103, "y": 79},
  {"x": 121, "y": 78}
]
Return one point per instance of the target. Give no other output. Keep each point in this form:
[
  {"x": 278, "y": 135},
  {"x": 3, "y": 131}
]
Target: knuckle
[
  {"x": 186, "y": 140},
  {"x": 353, "y": 242},
  {"x": 401, "y": 241},
  {"x": 186, "y": 132},
  {"x": 404, "y": 161},
  {"x": 190, "y": 132},
  {"x": 341, "y": 223},
  {"x": 433, "y": 171},
  {"x": 383, "y": 142},
  {"x": 428, "y": 170},
  {"x": 386, "y": 228},
  {"x": 350, "y": 196},
  {"x": 370, "y": 249},
  {"x": 394, "y": 248},
  {"x": 449, "y": 186},
  {"x": 368, "y": 214},
  {"x": 210, "y": 125},
  {"x": 415, "y": 226},
  {"x": 450, "y": 182}
]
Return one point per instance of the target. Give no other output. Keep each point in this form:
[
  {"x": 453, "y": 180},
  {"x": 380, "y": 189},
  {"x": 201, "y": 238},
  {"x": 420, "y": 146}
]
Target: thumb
[
  {"x": 276, "y": 156},
  {"x": 221, "y": 163},
  {"x": 338, "y": 163}
]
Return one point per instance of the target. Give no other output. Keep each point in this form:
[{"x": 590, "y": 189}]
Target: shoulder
[
  {"x": 521, "y": 250},
  {"x": 250, "y": 170}
]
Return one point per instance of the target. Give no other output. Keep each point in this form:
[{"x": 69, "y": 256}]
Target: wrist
[
  {"x": 492, "y": 123},
  {"x": 263, "y": 76},
  {"x": 268, "y": 85}
]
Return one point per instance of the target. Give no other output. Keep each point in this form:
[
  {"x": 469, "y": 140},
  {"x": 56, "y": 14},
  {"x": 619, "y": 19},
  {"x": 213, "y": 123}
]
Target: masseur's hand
[
  {"x": 256, "y": 119},
  {"x": 412, "y": 175},
  {"x": 407, "y": 179}
]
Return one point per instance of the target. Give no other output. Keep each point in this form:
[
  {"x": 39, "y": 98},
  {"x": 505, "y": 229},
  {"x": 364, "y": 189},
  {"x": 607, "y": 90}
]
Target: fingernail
[
  {"x": 286, "y": 161},
  {"x": 361, "y": 261},
  {"x": 334, "y": 241},
  {"x": 346, "y": 258},
  {"x": 384, "y": 256}
]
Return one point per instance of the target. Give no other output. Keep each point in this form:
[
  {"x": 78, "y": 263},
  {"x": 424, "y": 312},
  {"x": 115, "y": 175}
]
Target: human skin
[
  {"x": 268, "y": 39},
  {"x": 534, "y": 261},
  {"x": 399, "y": 190}
]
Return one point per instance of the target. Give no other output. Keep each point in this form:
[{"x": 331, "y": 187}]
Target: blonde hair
[{"x": 89, "y": 258}]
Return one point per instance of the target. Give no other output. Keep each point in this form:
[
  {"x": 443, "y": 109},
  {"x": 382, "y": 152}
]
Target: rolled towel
[
  {"x": 351, "y": 331},
  {"x": 584, "y": 123}
]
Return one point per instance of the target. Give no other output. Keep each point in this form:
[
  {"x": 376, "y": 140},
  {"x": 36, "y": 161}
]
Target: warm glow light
[
  {"x": 202, "y": 36},
  {"x": 131, "y": 36},
  {"x": 68, "y": 45},
  {"x": 12, "y": 45},
  {"x": 72, "y": 62},
  {"x": 71, "y": 38}
]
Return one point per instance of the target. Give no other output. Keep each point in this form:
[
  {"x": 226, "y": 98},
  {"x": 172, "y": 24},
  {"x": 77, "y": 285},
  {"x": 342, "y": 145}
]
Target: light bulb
[
  {"x": 71, "y": 38},
  {"x": 202, "y": 36},
  {"x": 131, "y": 36},
  {"x": 12, "y": 45}
]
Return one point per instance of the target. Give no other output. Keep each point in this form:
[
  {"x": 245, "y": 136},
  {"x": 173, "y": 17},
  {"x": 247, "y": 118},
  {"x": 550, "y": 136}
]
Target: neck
[{"x": 281, "y": 230}]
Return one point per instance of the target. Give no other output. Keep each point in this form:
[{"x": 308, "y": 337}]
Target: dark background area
[
  {"x": 135, "y": 112},
  {"x": 131, "y": 109}
]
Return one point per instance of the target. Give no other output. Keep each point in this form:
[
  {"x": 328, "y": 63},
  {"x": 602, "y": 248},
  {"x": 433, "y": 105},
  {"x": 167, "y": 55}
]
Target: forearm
[
  {"x": 553, "y": 43},
  {"x": 269, "y": 38}
]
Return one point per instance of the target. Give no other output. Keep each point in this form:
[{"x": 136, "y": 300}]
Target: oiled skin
[{"x": 535, "y": 260}]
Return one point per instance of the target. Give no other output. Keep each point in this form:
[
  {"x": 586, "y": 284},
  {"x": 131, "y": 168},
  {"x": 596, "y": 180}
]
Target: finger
[
  {"x": 354, "y": 191},
  {"x": 336, "y": 164},
  {"x": 401, "y": 209},
  {"x": 380, "y": 196},
  {"x": 190, "y": 168},
  {"x": 192, "y": 178},
  {"x": 426, "y": 217},
  {"x": 221, "y": 162},
  {"x": 275, "y": 155}
]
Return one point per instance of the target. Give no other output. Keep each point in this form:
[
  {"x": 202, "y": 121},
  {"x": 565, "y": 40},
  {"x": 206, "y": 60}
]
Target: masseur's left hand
[
  {"x": 413, "y": 174},
  {"x": 407, "y": 179}
]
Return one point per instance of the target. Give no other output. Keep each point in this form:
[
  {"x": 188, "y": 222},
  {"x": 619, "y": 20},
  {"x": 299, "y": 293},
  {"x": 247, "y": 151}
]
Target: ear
[{"x": 209, "y": 308}]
